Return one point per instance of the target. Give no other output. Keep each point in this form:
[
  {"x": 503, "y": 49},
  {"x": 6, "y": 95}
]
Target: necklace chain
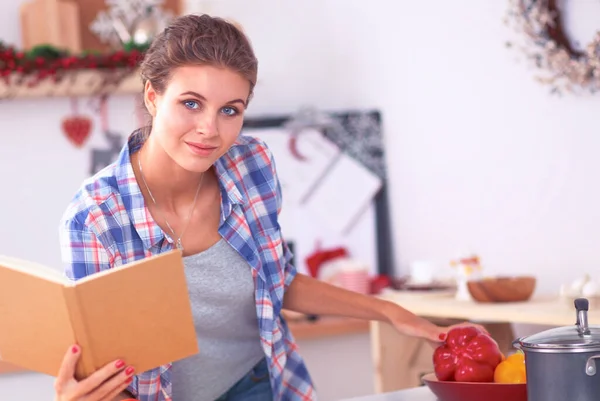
[{"x": 187, "y": 221}]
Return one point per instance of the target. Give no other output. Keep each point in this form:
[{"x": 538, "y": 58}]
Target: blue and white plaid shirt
[{"x": 107, "y": 224}]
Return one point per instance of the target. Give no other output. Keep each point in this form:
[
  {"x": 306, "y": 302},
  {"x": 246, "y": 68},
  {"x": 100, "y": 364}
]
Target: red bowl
[{"x": 464, "y": 391}]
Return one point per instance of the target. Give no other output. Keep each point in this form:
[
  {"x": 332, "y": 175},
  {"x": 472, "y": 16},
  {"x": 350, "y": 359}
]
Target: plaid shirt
[{"x": 107, "y": 224}]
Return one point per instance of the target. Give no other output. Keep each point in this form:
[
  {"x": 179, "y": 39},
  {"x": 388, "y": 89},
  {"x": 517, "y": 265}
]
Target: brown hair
[{"x": 198, "y": 40}]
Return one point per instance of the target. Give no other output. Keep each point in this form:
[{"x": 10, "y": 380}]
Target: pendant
[{"x": 178, "y": 244}]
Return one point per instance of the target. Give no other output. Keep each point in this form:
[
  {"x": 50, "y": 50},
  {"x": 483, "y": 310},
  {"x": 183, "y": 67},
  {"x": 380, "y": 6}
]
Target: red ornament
[{"x": 77, "y": 129}]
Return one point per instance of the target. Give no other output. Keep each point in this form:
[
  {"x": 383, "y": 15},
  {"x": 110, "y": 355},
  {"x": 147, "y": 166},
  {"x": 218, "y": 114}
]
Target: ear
[{"x": 150, "y": 98}]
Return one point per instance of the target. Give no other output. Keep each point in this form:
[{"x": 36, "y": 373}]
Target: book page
[{"x": 32, "y": 268}]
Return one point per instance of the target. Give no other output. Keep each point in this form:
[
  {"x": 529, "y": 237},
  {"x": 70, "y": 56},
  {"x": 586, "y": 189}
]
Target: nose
[{"x": 206, "y": 124}]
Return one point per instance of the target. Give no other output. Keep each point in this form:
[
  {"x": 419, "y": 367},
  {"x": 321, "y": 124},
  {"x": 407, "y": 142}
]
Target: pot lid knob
[{"x": 582, "y": 306}]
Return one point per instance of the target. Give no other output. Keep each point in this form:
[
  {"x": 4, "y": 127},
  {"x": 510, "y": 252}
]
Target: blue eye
[
  {"x": 229, "y": 111},
  {"x": 191, "y": 104}
]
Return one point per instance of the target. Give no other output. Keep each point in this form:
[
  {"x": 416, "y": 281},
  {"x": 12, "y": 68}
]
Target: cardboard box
[{"x": 139, "y": 312}]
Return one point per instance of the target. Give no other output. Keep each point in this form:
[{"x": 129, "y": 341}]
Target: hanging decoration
[
  {"x": 137, "y": 21},
  {"x": 76, "y": 127},
  {"x": 102, "y": 157},
  {"x": 565, "y": 68}
]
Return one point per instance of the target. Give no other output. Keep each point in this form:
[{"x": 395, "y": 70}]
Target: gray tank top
[{"x": 221, "y": 291}]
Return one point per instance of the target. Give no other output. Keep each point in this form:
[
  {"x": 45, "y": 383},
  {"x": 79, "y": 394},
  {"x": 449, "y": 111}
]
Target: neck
[{"x": 172, "y": 187}]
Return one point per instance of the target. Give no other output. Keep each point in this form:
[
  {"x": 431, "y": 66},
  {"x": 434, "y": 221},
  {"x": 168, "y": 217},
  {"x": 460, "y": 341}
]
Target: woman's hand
[
  {"x": 423, "y": 328},
  {"x": 103, "y": 385}
]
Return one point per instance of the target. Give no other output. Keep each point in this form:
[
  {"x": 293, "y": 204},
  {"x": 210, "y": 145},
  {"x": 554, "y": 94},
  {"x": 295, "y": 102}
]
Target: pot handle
[
  {"x": 518, "y": 343},
  {"x": 590, "y": 366}
]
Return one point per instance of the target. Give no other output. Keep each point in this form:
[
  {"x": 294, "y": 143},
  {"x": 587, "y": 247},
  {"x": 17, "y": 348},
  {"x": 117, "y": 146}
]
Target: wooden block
[
  {"x": 50, "y": 22},
  {"x": 69, "y": 33},
  {"x": 89, "y": 9}
]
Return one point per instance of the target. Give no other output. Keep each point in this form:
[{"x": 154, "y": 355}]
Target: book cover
[{"x": 139, "y": 312}]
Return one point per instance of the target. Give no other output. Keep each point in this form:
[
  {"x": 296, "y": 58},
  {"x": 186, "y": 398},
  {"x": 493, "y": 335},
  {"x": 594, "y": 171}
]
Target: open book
[{"x": 139, "y": 312}]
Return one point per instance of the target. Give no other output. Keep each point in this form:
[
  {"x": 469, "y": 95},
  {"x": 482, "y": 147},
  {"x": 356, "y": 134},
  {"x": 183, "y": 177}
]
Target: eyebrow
[{"x": 199, "y": 96}]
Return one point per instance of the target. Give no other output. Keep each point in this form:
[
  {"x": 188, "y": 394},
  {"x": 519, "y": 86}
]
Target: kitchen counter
[
  {"x": 544, "y": 310},
  {"x": 401, "y": 360},
  {"x": 413, "y": 394}
]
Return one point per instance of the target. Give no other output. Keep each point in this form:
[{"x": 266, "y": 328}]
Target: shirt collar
[{"x": 149, "y": 231}]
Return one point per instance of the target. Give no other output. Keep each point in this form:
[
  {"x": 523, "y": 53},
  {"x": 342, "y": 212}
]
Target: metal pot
[{"x": 563, "y": 364}]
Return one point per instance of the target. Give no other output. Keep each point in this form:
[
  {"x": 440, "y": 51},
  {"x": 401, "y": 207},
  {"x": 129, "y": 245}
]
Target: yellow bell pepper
[{"x": 512, "y": 370}]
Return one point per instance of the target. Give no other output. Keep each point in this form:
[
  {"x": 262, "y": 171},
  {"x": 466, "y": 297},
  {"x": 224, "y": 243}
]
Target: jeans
[{"x": 254, "y": 386}]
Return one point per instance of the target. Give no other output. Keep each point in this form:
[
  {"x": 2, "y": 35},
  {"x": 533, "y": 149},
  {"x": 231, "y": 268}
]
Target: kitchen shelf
[
  {"x": 75, "y": 83},
  {"x": 327, "y": 327}
]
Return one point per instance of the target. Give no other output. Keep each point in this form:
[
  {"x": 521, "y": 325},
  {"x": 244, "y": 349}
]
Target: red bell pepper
[{"x": 467, "y": 355}]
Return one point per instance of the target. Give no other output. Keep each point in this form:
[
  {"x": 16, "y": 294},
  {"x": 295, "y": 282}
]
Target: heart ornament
[{"x": 77, "y": 129}]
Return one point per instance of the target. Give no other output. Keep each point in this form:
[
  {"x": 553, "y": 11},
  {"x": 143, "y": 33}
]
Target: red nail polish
[
  {"x": 129, "y": 380},
  {"x": 442, "y": 336},
  {"x": 129, "y": 370},
  {"x": 119, "y": 364},
  {"x": 75, "y": 349}
]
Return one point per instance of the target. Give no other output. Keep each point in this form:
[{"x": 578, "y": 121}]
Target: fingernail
[
  {"x": 119, "y": 364},
  {"x": 129, "y": 380},
  {"x": 129, "y": 370},
  {"x": 442, "y": 336},
  {"x": 75, "y": 349}
]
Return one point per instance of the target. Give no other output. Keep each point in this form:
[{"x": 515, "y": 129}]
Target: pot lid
[{"x": 579, "y": 337}]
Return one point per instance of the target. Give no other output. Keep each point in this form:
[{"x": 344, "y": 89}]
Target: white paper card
[{"x": 344, "y": 193}]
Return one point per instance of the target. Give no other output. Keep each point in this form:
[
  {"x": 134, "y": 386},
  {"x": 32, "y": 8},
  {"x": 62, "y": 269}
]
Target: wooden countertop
[{"x": 552, "y": 311}]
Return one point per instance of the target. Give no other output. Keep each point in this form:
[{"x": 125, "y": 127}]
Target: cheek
[
  {"x": 173, "y": 122},
  {"x": 229, "y": 130}
]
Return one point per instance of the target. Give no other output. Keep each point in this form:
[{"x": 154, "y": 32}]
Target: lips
[{"x": 200, "y": 149}]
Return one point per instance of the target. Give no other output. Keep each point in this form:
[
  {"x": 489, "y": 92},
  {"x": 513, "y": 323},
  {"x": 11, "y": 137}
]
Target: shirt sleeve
[
  {"x": 82, "y": 253},
  {"x": 290, "y": 269}
]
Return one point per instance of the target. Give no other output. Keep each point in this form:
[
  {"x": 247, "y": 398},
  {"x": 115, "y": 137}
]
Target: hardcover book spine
[{"x": 86, "y": 365}]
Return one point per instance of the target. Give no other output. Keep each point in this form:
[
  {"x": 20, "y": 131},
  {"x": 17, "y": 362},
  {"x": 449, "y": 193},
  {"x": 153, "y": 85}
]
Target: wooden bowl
[
  {"x": 464, "y": 391},
  {"x": 502, "y": 289}
]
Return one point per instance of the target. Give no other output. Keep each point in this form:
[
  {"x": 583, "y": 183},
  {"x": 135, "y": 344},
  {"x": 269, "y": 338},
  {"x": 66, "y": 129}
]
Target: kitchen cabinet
[{"x": 400, "y": 360}]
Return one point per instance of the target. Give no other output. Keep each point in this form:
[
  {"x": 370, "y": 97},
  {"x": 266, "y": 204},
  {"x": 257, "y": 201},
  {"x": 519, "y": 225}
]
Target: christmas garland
[
  {"x": 46, "y": 62},
  {"x": 548, "y": 47}
]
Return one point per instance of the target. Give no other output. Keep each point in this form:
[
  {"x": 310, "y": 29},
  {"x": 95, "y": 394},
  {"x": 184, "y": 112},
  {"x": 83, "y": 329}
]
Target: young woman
[{"x": 191, "y": 181}]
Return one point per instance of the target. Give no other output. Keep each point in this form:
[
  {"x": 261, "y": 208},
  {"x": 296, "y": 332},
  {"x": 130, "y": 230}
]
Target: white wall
[{"x": 480, "y": 156}]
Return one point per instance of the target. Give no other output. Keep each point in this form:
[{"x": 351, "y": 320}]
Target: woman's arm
[{"x": 311, "y": 296}]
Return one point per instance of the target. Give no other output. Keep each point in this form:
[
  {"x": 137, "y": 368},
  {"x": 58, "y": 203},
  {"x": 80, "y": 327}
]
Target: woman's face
[{"x": 199, "y": 115}]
